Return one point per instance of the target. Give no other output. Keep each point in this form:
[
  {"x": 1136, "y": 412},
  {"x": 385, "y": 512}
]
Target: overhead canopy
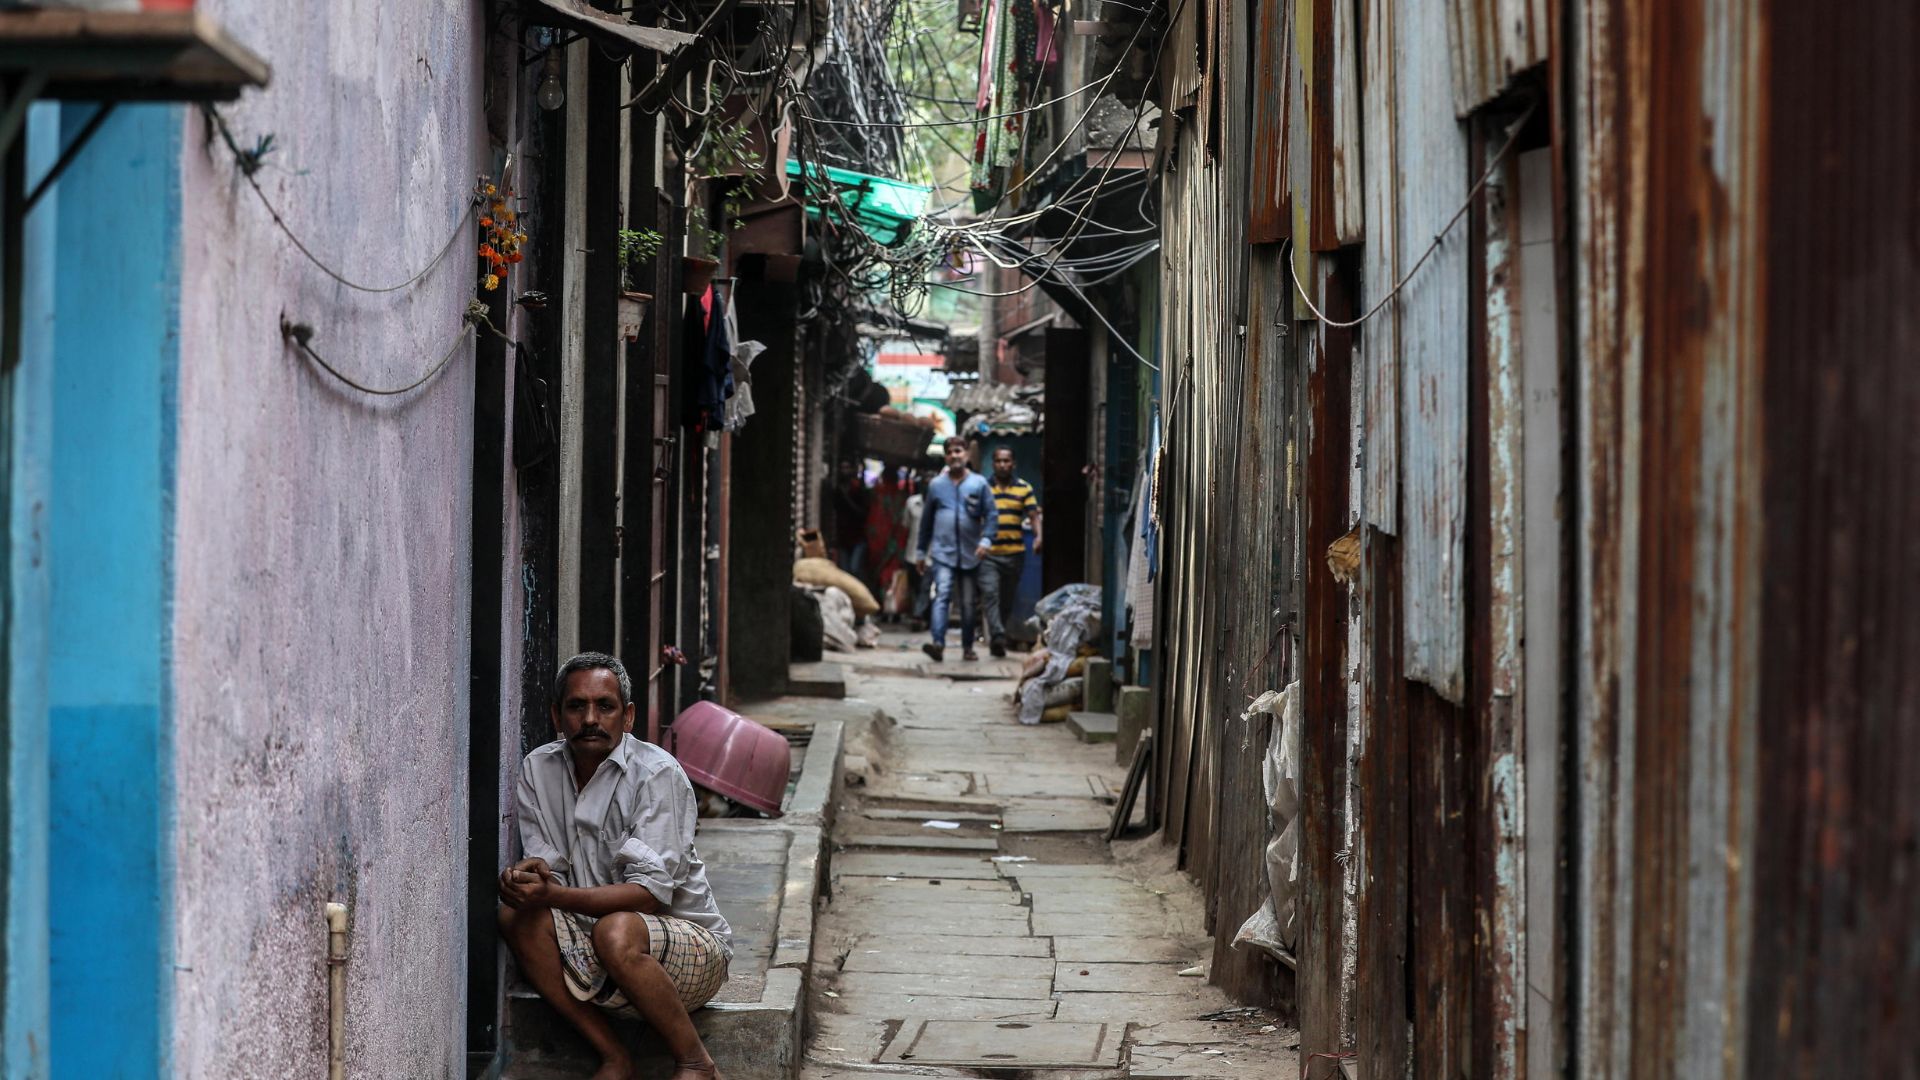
[
  {"x": 125, "y": 56},
  {"x": 605, "y": 26},
  {"x": 887, "y": 209}
]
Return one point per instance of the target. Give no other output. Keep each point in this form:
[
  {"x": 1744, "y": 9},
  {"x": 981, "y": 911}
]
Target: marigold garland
[{"x": 501, "y": 247}]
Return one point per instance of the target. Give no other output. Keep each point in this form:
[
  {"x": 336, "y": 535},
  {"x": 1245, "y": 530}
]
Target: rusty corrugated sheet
[
  {"x": 1332, "y": 66},
  {"x": 1382, "y": 1023},
  {"x": 1323, "y": 686},
  {"x": 1607, "y": 319},
  {"x": 1431, "y": 159},
  {"x": 1211, "y": 788},
  {"x": 1834, "y": 963},
  {"x": 1492, "y": 41},
  {"x": 1667, "y": 266},
  {"x": 1269, "y": 218},
  {"x": 1379, "y": 344},
  {"x": 1498, "y": 476}
]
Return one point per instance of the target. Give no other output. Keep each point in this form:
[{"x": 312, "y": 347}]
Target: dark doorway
[{"x": 1064, "y": 561}]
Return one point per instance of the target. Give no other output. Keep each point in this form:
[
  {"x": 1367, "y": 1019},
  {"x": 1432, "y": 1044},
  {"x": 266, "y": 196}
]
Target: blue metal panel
[{"x": 116, "y": 357}]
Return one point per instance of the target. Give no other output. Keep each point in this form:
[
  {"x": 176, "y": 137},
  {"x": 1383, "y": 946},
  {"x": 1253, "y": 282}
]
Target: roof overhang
[
  {"x": 126, "y": 56},
  {"x": 605, "y": 26}
]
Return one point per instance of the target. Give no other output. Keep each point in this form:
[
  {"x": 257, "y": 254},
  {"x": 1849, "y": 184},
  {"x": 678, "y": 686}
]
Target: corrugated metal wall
[
  {"x": 1224, "y": 495},
  {"x": 1611, "y": 738}
]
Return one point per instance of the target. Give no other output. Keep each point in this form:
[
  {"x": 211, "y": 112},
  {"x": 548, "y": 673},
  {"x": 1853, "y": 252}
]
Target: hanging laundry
[
  {"x": 740, "y": 359},
  {"x": 1009, "y": 70}
]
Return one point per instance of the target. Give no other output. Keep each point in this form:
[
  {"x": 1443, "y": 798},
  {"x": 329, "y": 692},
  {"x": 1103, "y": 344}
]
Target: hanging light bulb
[{"x": 552, "y": 93}]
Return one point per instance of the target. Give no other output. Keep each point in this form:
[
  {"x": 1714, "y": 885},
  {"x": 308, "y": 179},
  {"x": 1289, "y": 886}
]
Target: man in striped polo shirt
[{"x": 1000, "y": 571}]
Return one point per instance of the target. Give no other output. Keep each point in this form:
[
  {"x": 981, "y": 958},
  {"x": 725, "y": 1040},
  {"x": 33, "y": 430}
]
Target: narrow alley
[
  {"x": 1017, "y": 539},
  {"x": 978, "y": 920}
]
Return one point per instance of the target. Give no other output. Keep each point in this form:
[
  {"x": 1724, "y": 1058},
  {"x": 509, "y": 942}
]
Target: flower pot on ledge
[
  {"x": 633, "y": 313},
  {"x": 697, "y": 273}
]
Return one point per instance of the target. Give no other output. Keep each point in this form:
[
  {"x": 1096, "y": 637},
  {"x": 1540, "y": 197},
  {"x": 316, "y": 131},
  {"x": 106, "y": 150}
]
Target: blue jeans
[
  {"x": 999, "y": 585},
  {"x": 944, "y": 579}
]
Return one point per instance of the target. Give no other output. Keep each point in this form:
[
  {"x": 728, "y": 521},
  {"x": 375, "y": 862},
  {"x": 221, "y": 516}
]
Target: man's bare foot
[
  {"x": 700, "y": 1070},
  {"x": 615, "y": 1069}
]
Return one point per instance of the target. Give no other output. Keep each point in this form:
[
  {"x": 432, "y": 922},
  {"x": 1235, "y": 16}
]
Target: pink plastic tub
[{"x": 740, "y": 758}]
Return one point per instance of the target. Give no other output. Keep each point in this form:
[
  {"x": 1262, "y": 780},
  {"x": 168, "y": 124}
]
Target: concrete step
[
  {"x": 820, "y": 680},
  {"x": 1093, "y": 727},
  {"x": 758, "y": 1039}
]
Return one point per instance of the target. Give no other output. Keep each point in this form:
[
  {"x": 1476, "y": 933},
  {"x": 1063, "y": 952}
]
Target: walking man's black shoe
[
  {"x": 998, "y": 647},
  {"x": 934, "y": 651}
]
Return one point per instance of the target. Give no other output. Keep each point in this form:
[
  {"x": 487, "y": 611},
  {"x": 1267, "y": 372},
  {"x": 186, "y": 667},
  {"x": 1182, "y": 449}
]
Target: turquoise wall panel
[{"x": 116, "y": 313}]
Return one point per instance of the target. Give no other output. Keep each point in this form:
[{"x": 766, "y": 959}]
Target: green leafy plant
[
  {"x": 637, "y": 247},
  {"x": 725, "y": 150},
  {"x": 704, "y": 237}
]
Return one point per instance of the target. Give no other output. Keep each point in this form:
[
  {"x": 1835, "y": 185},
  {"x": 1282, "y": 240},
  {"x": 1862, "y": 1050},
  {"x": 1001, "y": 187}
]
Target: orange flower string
[{"x": 503, "y": 239}]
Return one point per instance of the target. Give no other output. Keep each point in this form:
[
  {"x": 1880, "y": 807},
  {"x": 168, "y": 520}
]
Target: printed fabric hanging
[{"x": 1008, "y": 74}]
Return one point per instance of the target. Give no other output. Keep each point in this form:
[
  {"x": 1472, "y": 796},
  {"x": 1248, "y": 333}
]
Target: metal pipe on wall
[{"x": 336, "y": 991}]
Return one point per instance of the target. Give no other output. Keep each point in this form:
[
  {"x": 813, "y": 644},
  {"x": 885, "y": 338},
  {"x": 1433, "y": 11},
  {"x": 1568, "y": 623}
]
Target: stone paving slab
[
  {"x": 952, "y": 943},
  {"x": 1078, "y": 817},
  {"x": 1056, "y": 902},
  {"x": 974, "y": 905},
  {"x": 1122, "y": 950},
  {"x": 1092, "y": 872},
  {"x": 1084, "y": 976},
  {"x": 914, "y": 984},
  {"x": 925, "y": 784},
  {"x": 1060, "y": 786},
  {"x": 967, "y": 924},
  {"x": 1004, "y": 1045},
  {"x": 903, "y": 865},
  {"x": 925, "y": 842},
  {"x": 1121, "y": 1008},
  {"x": 964, "y": 817},
  {"x": 1021, "y": 967},
  {"x": 909, "y": 889},
  {"x": 937, "y": 1007},
  {"x": 1112, "y": 925}
]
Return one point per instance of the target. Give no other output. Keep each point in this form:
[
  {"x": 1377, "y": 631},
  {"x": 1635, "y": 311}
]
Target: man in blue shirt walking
[{"x": 954, "y": 538}]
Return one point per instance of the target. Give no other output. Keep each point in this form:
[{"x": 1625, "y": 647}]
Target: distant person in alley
[
  {"x": 953, "y": 540},
  {"x": 1014, "y": 509},
  {"x": 610, "y": 909}
]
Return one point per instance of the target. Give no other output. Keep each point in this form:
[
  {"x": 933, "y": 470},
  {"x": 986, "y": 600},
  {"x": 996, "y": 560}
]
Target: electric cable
[
  {"x": 248, "y": 164},
  {"x": 1473, "y": 193}
]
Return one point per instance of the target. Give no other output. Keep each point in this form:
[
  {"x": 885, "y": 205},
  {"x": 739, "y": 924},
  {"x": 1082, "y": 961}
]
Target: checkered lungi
[{"x": 694, "y": 957}]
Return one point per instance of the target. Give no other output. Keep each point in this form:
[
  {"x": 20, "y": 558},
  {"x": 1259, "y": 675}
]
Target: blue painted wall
[
  {"x": 115, "y": 332},
  {"x": 26, "y": 396}
]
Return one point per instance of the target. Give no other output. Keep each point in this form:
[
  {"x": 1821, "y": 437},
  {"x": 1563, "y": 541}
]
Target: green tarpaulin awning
[{"x": 887, "y": 209}]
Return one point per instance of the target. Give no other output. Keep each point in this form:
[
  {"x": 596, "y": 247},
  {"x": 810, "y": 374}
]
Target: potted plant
[
  {"x": 637, "y": 247},
  {"x": 703, "y": 259}
]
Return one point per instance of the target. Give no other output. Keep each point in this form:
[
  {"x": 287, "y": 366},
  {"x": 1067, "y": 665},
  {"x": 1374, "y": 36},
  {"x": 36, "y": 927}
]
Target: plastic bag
[
  {"x": 1262, "y": 931},
  {"x": 836, "y": 620},
  {"x": 1055, "y": 601}
]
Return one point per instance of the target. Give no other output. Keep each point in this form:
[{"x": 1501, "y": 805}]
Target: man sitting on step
[{"x": 610, "y": 910}]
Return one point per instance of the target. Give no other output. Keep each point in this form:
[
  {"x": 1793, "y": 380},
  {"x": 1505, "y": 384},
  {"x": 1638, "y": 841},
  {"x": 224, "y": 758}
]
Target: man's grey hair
[{"x": 592, "y": 661}]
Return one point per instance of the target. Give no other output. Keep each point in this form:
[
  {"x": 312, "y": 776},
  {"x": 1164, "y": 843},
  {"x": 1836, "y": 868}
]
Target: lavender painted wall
[{"x": 320, "y": 632}]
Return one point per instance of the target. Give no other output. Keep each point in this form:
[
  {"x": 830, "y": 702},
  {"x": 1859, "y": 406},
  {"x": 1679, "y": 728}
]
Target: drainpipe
[{"x": 336, "y": 991}]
